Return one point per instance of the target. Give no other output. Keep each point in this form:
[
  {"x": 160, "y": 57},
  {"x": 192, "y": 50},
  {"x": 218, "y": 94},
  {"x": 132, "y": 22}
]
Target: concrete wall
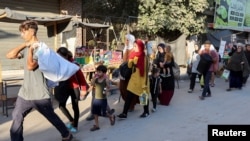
[{"x": 73, "y": 8}]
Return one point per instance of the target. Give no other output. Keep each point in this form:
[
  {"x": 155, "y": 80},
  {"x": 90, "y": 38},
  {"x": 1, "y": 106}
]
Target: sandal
[
  {"x": 94, "y": 128},
  {"x": 68, "y": 138},
  {"x": 112, "y": 122}
]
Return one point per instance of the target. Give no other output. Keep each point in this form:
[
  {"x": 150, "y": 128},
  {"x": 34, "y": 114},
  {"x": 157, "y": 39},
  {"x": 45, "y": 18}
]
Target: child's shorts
[{"x": 99, "y": 107}]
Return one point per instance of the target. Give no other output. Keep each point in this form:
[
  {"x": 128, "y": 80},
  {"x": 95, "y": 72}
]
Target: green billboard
[{"x": 232, "y": 14}]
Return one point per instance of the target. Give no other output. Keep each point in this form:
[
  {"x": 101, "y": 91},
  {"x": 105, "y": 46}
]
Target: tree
[
  {"x": 118, "y": 8},
  {"x": 184, "y": 16}
]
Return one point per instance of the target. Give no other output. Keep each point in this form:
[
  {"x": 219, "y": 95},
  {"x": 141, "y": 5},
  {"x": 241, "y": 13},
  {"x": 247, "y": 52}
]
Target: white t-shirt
[{"x": 211, "y": 47}]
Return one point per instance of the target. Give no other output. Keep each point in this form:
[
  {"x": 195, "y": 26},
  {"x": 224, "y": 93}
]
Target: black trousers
[
  {"x": 129, "y": 98},
  {"x": 192, "y": 80},
  {"x": 74, "y": 94},
  {"x": 154, "y": 99}
]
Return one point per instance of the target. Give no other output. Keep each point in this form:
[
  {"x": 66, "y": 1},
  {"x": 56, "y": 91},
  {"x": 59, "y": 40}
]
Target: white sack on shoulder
[{"x": 53, "y": 66}]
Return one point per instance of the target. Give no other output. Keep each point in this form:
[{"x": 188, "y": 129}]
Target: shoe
[
  {"x": 90, "y": 117},
  {"x": 190, "y": 91},
  {"x": 168, "y": 75},
  {"x": 112, "y": 120},
  {"x": 69, "y": 125},
  {"x": 229, "y": 89},
  {"x": 239, "y": 88},
  {"x": 212, "y": 85},
  {"x": 73, "y": 130},
  {"x": 94, "y": 128},
  {"x": 153, "y": 110},
  {"x": 143, "y": 115},
  {"x": 201, "y": 89},
  {"x": 208, "y": 95},
  {"x": 201, "y": 97},
  {"x": 122, "y": 116},
  {"x": 163, "y": 75},
  {"x": 69, "y": 138}
]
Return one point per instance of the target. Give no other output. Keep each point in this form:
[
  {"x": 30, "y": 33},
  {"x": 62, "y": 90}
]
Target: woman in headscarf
[
  {"x": 129, "y": 44},
  {"x": 237, "y": 63},
  {"x": 247, "y": 70},
  {"x": 168, "y": 83},
  {"x": 160, "y": 55},
  {"x": 193, "y": 63},
  {"x": 136, "y": 84}
]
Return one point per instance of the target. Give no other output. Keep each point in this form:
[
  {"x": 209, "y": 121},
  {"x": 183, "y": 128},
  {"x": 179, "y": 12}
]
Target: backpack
[
  {"x": 176, "y": 71},
  {"x": 115, "y": 73},
  {"x": 125, "y": 71},
  {"x": 204, "y": 63}
]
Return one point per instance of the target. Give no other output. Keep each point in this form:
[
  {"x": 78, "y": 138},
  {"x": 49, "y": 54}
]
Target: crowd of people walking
[
  {"x": 204, "y": 63},
  {"x": 153, "y": 76}
]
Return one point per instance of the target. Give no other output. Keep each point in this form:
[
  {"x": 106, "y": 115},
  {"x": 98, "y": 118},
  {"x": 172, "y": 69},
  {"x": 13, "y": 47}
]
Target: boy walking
[
  {"x": 100, "y": 102},
  {"x": 34, "y": 92}
]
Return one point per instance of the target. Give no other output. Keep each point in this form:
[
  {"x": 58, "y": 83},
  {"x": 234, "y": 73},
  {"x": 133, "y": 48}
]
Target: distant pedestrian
[
  {"x": 215, "y": 67},
  {"x": 34, "y": 92},
  {"x": 100, "y": 103},
  {"x": 155, "y": 86},
  {"x": 193, "y": 63},
  {"x": 236, "y": 65},
  {"x": 209, "y": 56},
  {"x": 246, "y": 73}
]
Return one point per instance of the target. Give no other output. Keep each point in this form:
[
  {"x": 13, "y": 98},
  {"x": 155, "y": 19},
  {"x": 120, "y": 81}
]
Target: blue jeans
[
  {"x": 23, "y": 107},
  {"x": 207, "y": 77}
]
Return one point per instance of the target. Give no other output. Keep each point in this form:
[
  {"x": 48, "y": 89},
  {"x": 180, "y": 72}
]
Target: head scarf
[
  {"x": 160, "y": 55},
  {"x": 240, "y": 45},
  {"x": 140, "y": 54},
  {"x": 162, "y": 45},
  {"x": 131, "y": 40}
]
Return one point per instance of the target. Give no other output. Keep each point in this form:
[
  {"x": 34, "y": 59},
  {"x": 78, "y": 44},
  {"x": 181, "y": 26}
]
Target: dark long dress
[
  {"x": 235, "y": 79},
  {"x": 236, "y": 69},
  {"x": 168, "y": 84}
]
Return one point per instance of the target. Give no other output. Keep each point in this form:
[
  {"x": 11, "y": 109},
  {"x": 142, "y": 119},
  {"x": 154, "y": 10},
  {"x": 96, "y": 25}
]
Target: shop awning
[
  {"x": 54, "y": 25},
  {"x": 90, "y": 25}
]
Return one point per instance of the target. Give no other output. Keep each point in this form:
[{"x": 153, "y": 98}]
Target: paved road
[{"x": 185, "y": 119}]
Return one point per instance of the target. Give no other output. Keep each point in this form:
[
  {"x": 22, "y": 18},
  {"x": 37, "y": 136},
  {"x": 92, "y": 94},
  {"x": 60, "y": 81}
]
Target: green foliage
[
  {"x": 155, "y": 16},
  {"x": 181, "y": 15},
  {"x": 119, "y": 8}
]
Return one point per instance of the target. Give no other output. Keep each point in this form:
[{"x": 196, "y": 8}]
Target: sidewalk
[{"x": 185, "y": 119}]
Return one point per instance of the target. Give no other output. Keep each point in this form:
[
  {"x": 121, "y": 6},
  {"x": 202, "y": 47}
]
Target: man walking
[{"x": 34, "y": 92}]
